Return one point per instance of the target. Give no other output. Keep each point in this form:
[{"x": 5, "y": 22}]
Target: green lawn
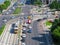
[
  {"x": 2, "y": 29},
  {"x": 17, "y": 11},
  {"x": 48, "y": 23}
]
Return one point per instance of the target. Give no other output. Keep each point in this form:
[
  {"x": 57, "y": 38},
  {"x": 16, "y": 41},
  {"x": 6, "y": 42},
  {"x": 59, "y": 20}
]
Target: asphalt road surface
[{"x": 38, "y": 36}]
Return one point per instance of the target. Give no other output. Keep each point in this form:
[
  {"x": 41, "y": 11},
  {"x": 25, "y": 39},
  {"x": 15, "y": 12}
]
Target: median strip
[{"x": 2, "y": 29}]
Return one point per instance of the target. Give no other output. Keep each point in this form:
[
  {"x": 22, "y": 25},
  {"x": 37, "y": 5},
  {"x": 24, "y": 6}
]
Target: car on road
[
  {"x": 44, "y": 18},
  {"x": 24, "y": 31},
  {"x": 25, "y": 25},
  {"x": 29, "y": 31},
  {"x": 23, "y": 35},
  {"x": 23, "y": 43},
  {"x": 39, "y": 20},
  {"x": 23, "y": 39},
  {"x": 29, "y": 21},
  {"x": 29, "y": 17},
  {"x": 29, "y": 27},
  {"x": 13, "y": 24}
]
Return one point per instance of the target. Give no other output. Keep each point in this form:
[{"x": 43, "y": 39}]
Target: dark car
[
  {"x": 39, "y": 19},
  {"x": 23, "y": 40},
  {"x": 44, "y": 18},
  {"x": 24, "y": 31},
  {"x": 13, "y": 25},
  {"x": 30, "y": 30}
]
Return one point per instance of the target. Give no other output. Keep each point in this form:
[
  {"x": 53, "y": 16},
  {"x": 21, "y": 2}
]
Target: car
[
  {"x": 23, "y": 39},
  {"x": 44, "y": 18},
  {"x": 23, "y": 35},
  {"x": 30, "y": 27},
  {"x": 29, "y": 17},
  {"x": 30, "y": 30},
  {"x": 23, "y": 43},
  {"x": 5, "y": 20},
  {"x": 56, "y": 16},
  {"x": 25, "y": 25},
  {"x": 29, "y": 21},
  {"x": 13, "y": 24},
  {"x": 7, "y": 13},
  {"x": 24, "y": 31},
  {"x": 24, "y": 28},
  {"x": 39, "y": 20}
]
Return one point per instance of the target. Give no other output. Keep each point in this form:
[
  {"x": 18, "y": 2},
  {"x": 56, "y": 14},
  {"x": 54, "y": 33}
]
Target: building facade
[{"x": 48, "y": 1}]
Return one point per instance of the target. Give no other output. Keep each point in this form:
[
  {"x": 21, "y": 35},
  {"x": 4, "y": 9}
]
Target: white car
[
  {"x": 24, "y": 28},
  {"x": 23, "y": 44},
  {"x": 13, "y": 8},
  {"x": 26, "y": 25},
  {"x": 23, "y": 35},
  {"x": 7, "y": 12},
  {"x": 30, "y": 27}
]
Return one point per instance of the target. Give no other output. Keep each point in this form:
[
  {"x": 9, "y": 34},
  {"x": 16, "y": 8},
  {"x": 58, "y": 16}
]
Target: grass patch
[
  {"x": 2, "y": 29},
  {"x": 48, "y": 23},
  {"x": 17, "y": 11}
]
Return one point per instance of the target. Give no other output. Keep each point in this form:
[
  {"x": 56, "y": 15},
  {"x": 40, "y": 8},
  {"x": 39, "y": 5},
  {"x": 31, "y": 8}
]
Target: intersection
[{"x": 39, "y": 35}]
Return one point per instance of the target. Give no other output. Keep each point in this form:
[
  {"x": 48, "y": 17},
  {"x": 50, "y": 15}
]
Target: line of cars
[
  {"x": 14, "y": 28},
  {"x": 27, "y": 28}
]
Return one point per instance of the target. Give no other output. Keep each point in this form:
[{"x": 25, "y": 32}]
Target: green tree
[
  {"x": 1, "y": 9},
  {"x": 55, "y": 31},
  {"x": 7, "y": 3},
  {"x": 55, "y": 5},
  {"x": 37, "y": 2},
  {"x": 3, "y": 6}
]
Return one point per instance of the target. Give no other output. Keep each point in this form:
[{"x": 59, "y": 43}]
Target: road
[
  {"x": 38, "y": 35},
  {"x": 8, "y": 38},
  {"x": 29, "y": 38}
]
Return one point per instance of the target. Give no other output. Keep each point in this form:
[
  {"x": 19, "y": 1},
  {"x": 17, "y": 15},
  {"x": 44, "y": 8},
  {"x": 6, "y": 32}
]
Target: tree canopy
[
  {"x": 4, "y": 5},
  {"x": 55, "y": 5},
  {"x": 55, "y": 30}
]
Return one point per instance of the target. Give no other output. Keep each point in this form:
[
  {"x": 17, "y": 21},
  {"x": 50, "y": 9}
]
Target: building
[{"x": 48, "y": 1}]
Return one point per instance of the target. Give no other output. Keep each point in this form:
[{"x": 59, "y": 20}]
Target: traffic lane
[
  {"x": 32, "y": 38},
  {"x": 41, "y": 40},
  {"x": 26, "y": 9},
  {"x": 4, "y": 17},
  {"x": 42, "y": 34}
]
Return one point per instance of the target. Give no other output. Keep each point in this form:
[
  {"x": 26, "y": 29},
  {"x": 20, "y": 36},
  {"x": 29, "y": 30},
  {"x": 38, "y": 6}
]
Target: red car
[{"x": 29, "y": 21}]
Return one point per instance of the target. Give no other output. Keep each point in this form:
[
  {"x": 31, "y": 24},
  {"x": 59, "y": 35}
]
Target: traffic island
[
  {"x": 48, "y": 23},
  {"x": 17, "y": 11}
]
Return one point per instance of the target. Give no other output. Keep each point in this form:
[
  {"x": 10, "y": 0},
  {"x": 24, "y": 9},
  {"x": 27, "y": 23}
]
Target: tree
[
  {"x": 7, "y": 3},
  {"x": 1, "y": 9},
  {"x": 36, "y": 2},
  {"x": 55, "y": 31},
  {"x": 4, "y": 6},
  {"x": 55, "y": 5}
]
